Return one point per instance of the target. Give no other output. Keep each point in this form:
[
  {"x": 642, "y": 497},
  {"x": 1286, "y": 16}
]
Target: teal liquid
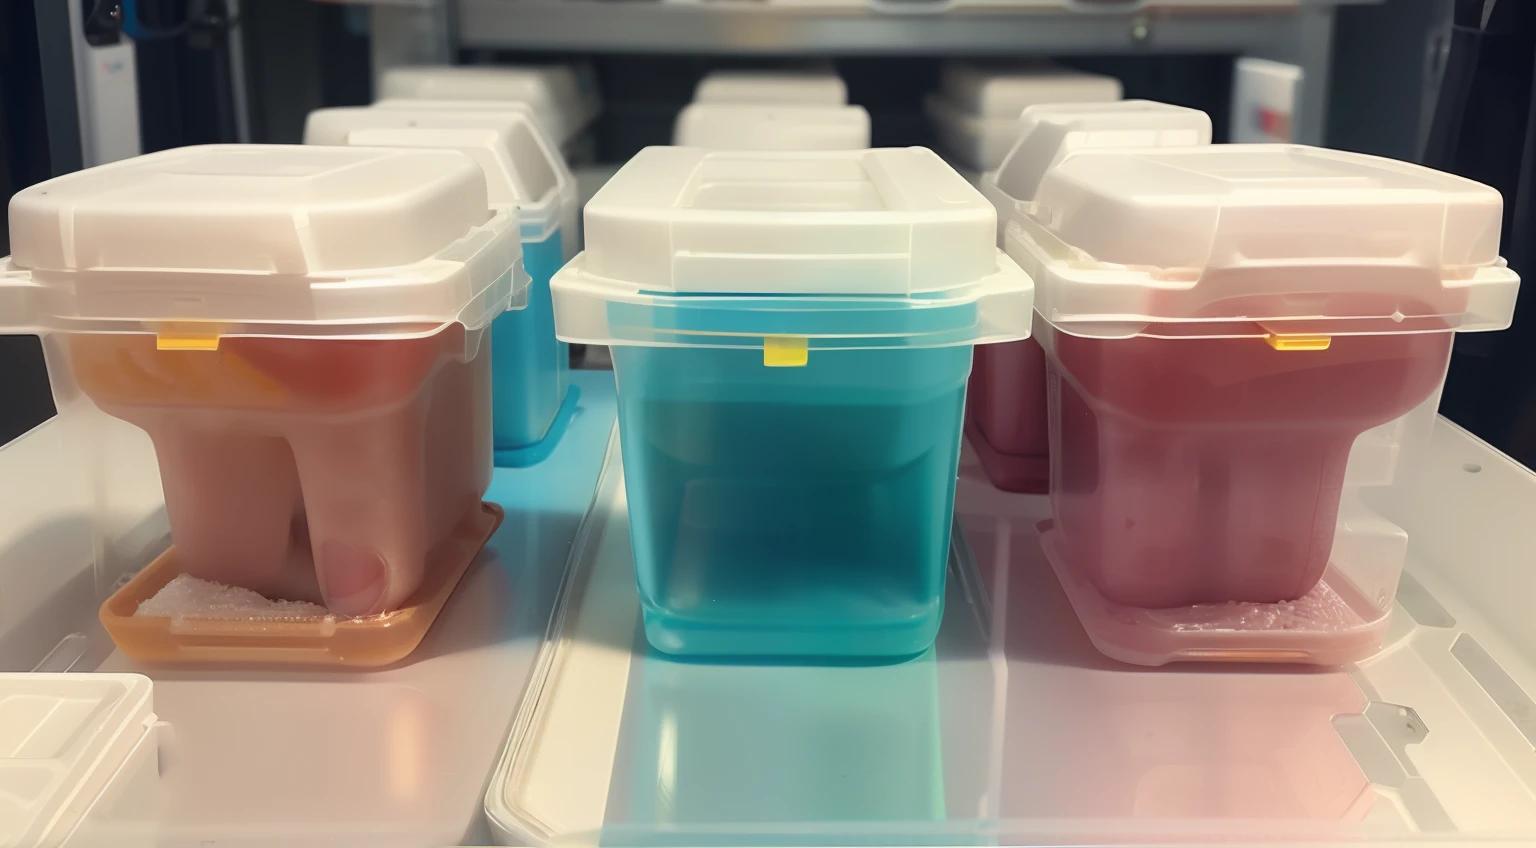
[
  {"x": 791, "y": 511},
  {"x": 530, "y": 368}
]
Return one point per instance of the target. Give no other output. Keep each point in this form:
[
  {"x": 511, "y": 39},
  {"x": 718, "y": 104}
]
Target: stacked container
[
  {"x": 789, "y": 87},
  {"x": 976, "y": 111},
  {"x": 1006, "y": 417},
  {"x": 301, "y": 332},
  {"x": 792, "y": 334},
  {"x": 564, "y": 97},
  {"x": 772, "y": 126},
  {"x": 530, "y": 367},
  {"x": 1221, "y": 324}
]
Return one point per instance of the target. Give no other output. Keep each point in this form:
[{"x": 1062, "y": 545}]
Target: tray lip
[
  {"x": 510, "y": 823},
  {"x": 1098, "y": 617},
  {"x": 404, "y": 628}
]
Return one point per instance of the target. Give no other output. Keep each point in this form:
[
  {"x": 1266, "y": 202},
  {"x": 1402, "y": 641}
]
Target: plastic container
[
  {"x": 529, "y": 366},
  {"x": 64, "y": 740},
  {"x": 564, "y": 97},
  {"x": 302, "y": 334},
  {"x": 976, "y": 111},
  {"x": 804, "y": 88},
  {"x": 791, "y": 334},
  {"x": 757, "y": 126},
  {"x": 1216, "y": 352},
  {"x": 1006, "y": 417}
]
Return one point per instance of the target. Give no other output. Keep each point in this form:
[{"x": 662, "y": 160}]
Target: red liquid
[
  {"x": 1194, "y": 471},
  {"x": 1007, "y": 404}
]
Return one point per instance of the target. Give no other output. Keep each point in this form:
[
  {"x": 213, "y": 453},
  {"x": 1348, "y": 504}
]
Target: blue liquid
[
  {"x": 791, "y": 511},
  {"x": 529, "y": 366}
]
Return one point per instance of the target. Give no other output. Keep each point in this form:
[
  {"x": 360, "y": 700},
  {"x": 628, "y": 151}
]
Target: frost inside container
[
  {"x": 529, "y": 366},
  {"x": 1221, "y": 324},
  {"x": 1006, "y": 413},
  {"x": 301, "y": 332},
  {"x": 791, "y": 335}
]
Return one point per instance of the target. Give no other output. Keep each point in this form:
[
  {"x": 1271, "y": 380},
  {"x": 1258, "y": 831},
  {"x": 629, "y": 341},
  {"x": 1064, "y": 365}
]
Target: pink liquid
[
  {"x": 1006, "y": 403},
  {"x": 1193, "y": 471},
  {"x": 306, "y": 469}
]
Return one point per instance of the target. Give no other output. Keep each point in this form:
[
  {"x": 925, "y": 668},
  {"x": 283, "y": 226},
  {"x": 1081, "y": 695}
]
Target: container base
[
  {"x": 1331, "y": 625},
  {"x": 530, "y": 455},
  {"x": 368, "y": 642},
  {"x": 1010, "y": 472},
  {"x": 884, "y": 642}
]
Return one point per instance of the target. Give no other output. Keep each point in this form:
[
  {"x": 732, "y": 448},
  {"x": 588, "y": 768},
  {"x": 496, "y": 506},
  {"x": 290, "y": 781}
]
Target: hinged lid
[
  {"x": 1298, "y": 239},
  {"x": 866, "y": 240},
  {"x": 527, "y": 171},
  {"x": 62, "y": 737},
  {"x": 261, "y": 240},
  {"x": 768, "y": 126},
  {"x": 564, "y": 98},
  {"x": 1005, "y": 91},
  {"x": 809, "y": 87}
]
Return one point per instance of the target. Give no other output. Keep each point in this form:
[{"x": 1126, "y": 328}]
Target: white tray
[{"x": 1015, "y": 730}]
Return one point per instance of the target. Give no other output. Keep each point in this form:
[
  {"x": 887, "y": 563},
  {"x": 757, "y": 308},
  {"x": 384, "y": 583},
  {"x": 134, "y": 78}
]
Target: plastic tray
[{"x": 1016, "y": 730}]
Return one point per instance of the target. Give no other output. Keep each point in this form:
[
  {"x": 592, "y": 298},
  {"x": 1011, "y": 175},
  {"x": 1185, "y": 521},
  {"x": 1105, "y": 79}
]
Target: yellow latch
[
  {"x": 188, "y": 337},
  {"x": 786, "y": 351},
  {"x": 1299, "y": 342}
]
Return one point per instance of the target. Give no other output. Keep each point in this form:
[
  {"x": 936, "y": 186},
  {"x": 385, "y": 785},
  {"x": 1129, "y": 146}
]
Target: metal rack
[{"x": 1298, "y": 33}]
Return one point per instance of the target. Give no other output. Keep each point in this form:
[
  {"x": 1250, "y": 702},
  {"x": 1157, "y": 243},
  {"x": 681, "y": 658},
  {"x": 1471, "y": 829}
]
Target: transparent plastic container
[
  {"x": 808, "y": 87},
  {"x": 564, "y": 97},
  {"x": 976, "y": 110},
  {"x": 1006, "y": 413},
  {"x": 771, "y": 126},
  {"x": 792, "y": 334},
  {"x": 318, "y": 395},
  {"x": 1216, "y": 353},
  {"x": 529, "y": 366}
]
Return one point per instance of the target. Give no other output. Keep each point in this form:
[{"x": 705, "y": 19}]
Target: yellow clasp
[
  {"x": 1279, "y": 342},
  {"x": 786, "y": 351}
]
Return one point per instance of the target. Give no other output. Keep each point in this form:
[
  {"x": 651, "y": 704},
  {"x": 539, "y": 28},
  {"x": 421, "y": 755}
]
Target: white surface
[
  {"x": 184, "y": 235},
  {"x": 822, "y": 88},
  {"x": 1263, "y": 100},
  {"x": 758, "y": 126},
  {"x": 522, "y": 165},
  {"x": 1049, "y": 134},
  {"x": 1120, "y": 240},
  {"x": 564, "y": 98},
  {"x": 62, "y": 738}
]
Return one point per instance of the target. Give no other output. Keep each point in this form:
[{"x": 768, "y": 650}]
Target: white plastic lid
[
  {"x": 262, "y": 240},
  {"x": 564, "y": 98},
  {"x": 62, "y": 737},
  {"x": 897, "y": 228},
  {"x": 1004, "y": 92},
  {"x": 525, "y": 169},
  {"x": 1049, "y": 133},
  {"x": 807, "y": 88},
  {"x": 1332, "y": 242},
  {"x": 768, "y": 126}
]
